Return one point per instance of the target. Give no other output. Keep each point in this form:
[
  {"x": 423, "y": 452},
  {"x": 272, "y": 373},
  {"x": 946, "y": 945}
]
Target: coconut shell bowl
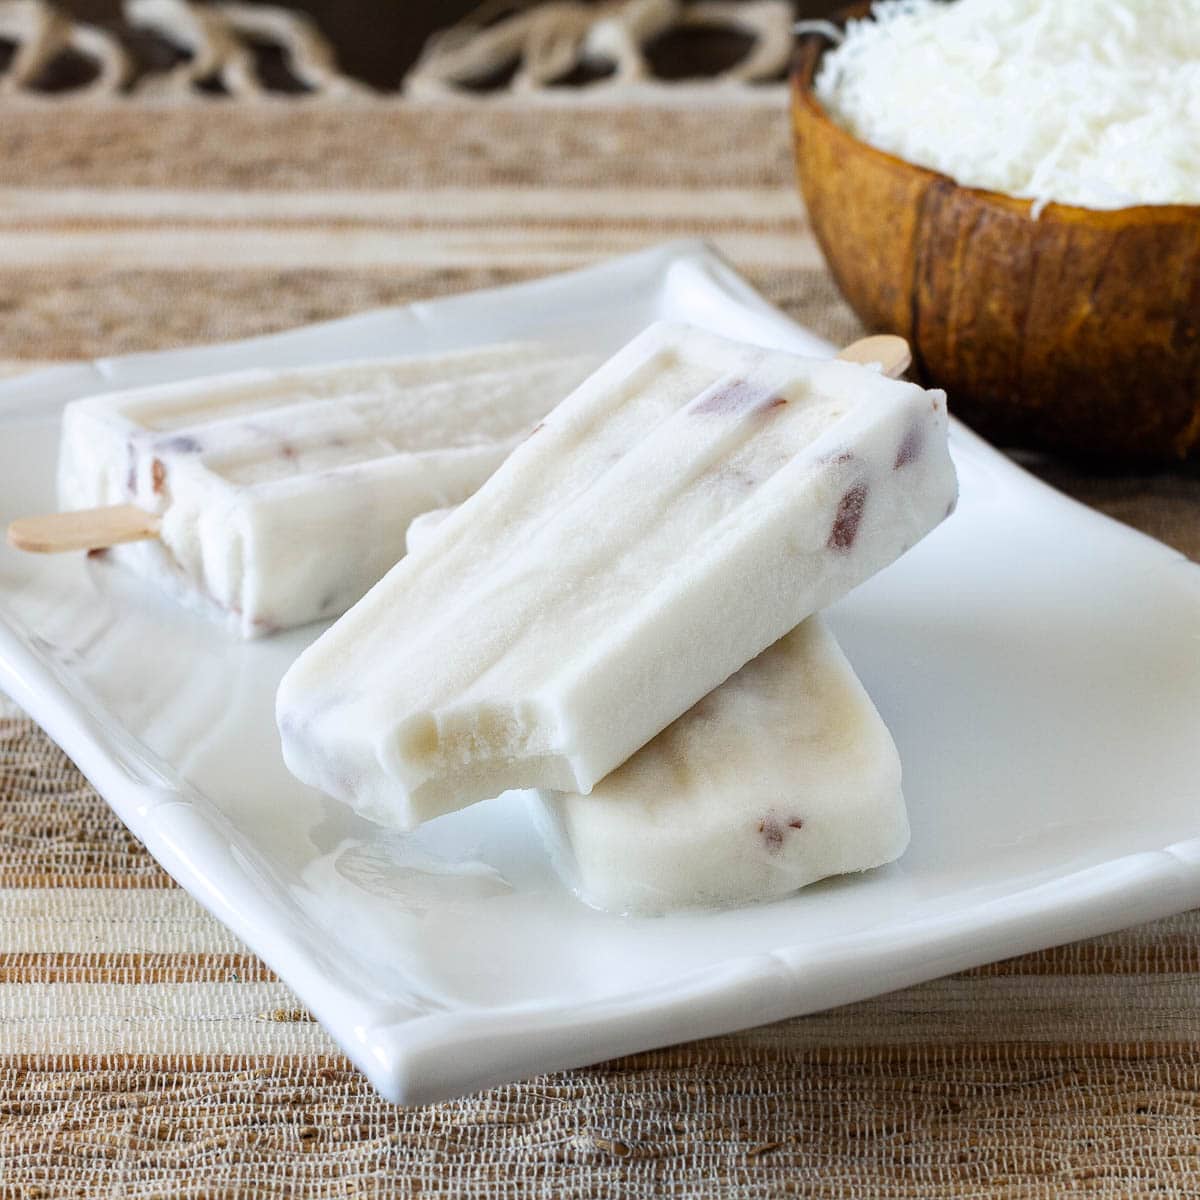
[{"x": 1076, "y": 332}]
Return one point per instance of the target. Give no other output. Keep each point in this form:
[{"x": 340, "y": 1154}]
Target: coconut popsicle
[
  {"x": 690, "y": 503},
  {"x": 283, "y": 495},
  {"x": 785, "y": 774}
]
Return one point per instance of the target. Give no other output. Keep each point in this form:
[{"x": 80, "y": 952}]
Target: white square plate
[{"x": 1038, "y": 664}]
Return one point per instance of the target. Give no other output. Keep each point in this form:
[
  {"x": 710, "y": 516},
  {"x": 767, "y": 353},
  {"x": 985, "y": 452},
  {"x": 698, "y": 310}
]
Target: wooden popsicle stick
[
  {"x": 888, "y": 349},
  {"x": 85, "y": 529}
]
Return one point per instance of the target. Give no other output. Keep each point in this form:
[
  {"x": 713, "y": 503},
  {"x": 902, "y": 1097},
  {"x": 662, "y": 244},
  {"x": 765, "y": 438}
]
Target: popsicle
[
  {"x": 421, "y": 528},
  {"x": 273, "y": 498},
  {"x": 689, "y": 504},
  {"x": 784, "y": 775}
]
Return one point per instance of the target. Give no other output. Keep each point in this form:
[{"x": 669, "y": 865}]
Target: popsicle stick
[
  {"x": 887, "y": 349},
  {"x": 85, "y": 529}
]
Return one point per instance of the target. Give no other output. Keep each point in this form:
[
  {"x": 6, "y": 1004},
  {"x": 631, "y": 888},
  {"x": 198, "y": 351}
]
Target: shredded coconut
[{"x": 1088, "y": 102}]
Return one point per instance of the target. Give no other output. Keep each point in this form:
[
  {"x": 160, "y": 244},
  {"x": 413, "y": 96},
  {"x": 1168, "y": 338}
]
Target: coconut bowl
[{"x": 1077, "y": 331}]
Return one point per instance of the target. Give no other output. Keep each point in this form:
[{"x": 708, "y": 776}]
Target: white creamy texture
[
  {"x": 685, "y": 507},
  {"x": 1088, "y": 102},
  {"x": 284, "y": 495},
  {"x": 784, "y": 775},
  {"x": 420, "y": 529}
]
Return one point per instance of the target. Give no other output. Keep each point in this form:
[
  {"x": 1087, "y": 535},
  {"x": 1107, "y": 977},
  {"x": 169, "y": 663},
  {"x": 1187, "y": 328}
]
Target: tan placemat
[{"x": 143, "y": 1050}]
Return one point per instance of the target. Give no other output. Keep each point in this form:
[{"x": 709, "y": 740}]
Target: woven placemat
[{"x": 145, "y": 1052}]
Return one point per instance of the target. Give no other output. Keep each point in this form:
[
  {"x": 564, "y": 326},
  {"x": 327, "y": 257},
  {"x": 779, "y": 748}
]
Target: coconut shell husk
[{"x": 1077, "y": 331}]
